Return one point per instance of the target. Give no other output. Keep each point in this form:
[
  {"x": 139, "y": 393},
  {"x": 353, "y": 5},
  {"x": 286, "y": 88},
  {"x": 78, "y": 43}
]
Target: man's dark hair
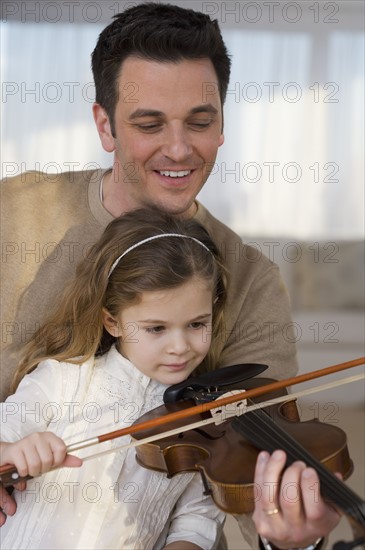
[{"x": 158, "y": 32}]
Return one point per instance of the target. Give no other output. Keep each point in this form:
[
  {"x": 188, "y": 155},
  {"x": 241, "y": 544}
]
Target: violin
[{"x": 225, "y": 453}]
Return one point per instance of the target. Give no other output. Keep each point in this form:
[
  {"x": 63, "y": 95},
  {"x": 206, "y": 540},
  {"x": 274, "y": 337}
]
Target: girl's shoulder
[
  {"x": 58, "y": 377},
  {"x": 53, "y": 367}
]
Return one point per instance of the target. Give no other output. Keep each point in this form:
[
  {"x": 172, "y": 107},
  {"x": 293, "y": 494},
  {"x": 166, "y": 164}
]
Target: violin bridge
[{"x": 221, "y": 414}]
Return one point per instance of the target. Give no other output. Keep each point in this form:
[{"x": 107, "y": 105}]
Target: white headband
[{"x": 152, "y": 239}]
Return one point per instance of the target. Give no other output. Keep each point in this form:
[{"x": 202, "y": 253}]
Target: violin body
[{"x": 226, "y": 460}]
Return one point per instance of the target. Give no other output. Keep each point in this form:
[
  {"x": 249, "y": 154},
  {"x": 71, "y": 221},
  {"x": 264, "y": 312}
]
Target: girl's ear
[{"x": 111, "y": 324}]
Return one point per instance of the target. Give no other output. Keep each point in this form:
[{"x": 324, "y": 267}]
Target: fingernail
[{"x": 263, "y": 457}]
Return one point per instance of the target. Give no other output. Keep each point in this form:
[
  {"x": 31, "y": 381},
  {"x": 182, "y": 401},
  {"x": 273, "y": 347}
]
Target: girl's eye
[
  {"x": 197, "y": 325},
  {"x": 155, "y": 330}
]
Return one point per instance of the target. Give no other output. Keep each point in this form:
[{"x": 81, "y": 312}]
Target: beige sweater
[{"x": 49, "y": 221}]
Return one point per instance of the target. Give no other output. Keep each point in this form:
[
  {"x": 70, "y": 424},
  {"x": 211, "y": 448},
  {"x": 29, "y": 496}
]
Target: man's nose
[{"x": 177, "y": 146}]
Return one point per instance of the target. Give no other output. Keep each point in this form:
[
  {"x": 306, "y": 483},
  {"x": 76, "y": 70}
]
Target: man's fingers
[
  {"x": 7, "y": 505},
  {"x": 2, "y": 518},
  {"x": 21, "y": 486},
  {"x": 290, "y": 492}
]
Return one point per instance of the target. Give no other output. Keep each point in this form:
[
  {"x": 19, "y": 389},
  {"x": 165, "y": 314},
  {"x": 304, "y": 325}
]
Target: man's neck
[{"x": 112, "y": 197}]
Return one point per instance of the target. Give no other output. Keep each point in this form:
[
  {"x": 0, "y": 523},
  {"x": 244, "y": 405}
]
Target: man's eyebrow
[
  {"x": 204, "y": 108},
  {"x": 139, "y": 113}
]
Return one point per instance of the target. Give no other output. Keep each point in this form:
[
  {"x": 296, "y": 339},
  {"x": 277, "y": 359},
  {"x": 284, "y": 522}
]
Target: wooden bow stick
[{"x": 199, "y": 409}]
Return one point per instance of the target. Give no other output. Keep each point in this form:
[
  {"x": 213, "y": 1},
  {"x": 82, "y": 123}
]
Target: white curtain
[
  {"x": 292, "y": 162},
  {"x": 47, "y": 95}
]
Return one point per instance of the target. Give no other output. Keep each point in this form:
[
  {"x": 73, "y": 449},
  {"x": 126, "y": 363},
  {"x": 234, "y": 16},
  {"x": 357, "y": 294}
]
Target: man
[{"x": 161, "y": 74}]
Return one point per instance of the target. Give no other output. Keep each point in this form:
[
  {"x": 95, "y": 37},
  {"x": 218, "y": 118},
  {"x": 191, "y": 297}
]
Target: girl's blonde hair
[{"x": 75, "y": 331}]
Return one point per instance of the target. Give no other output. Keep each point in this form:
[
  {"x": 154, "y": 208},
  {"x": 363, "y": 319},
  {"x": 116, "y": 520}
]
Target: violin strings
[
  {"x": 260, "y": 429},
  {"x": 335, "y": 488},
  {"x": 269, "y": 442}
]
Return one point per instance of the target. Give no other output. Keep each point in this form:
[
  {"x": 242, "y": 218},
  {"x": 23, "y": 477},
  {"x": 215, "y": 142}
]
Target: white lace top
[{"x": 110, "y": 502}]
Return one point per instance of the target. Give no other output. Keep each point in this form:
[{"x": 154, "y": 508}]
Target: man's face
[{"x": 168, "y": 127}]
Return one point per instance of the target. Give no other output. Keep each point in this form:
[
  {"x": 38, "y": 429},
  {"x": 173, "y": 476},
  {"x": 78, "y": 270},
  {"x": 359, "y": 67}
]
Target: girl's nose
[{"x": 178, "y": 344}]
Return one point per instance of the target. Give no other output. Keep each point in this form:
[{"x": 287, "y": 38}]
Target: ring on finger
[{"x": 272, "y": 511}]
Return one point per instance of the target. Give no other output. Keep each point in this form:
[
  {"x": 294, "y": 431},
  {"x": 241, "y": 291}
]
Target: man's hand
[
  {"x": 7, "y": 503},
  {"x": 290, "y": 512}
]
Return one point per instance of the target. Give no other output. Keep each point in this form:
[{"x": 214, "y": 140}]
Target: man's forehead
[
  {"x": 135, "y": 60},
  {"x": 151, "y": 81}
]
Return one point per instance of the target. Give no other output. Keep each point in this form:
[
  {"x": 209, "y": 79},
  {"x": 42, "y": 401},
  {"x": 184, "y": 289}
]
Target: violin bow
[{"x": 9, "y": 475}]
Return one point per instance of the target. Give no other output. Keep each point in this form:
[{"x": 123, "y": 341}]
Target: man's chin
[{"x": 186, "y": 210}]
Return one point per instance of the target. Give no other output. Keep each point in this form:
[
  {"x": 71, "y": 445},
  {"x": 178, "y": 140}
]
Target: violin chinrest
[{"x": 216, "y": 379}]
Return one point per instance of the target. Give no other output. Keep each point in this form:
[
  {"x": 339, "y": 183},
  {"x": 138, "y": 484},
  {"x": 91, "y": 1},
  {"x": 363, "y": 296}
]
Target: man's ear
[
  {"x": 104, "y": 129},
  {"x": 111, "y": 324}
]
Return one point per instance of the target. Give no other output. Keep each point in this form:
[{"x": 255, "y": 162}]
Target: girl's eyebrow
[
  {"x": 159, "y": 321},
  {"x": 140, "y": 113}
]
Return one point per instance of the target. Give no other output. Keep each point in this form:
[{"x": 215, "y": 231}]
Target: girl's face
[{"x": 168, "y": 333}]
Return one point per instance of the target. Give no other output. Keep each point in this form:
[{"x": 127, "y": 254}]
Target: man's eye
[
  {"x": 201, "y": 124},
  {"x": 149, "y": 127}
]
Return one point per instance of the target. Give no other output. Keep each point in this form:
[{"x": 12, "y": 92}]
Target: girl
[{"x": 142, "y": 313}]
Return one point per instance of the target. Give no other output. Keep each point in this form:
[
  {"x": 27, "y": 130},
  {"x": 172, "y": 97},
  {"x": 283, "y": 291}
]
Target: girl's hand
[{"x": 37, "y": 453}]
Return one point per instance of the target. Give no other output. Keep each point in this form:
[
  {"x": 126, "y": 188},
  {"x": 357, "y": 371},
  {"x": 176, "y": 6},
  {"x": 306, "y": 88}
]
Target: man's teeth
[{"x": 173, "y": 174}]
